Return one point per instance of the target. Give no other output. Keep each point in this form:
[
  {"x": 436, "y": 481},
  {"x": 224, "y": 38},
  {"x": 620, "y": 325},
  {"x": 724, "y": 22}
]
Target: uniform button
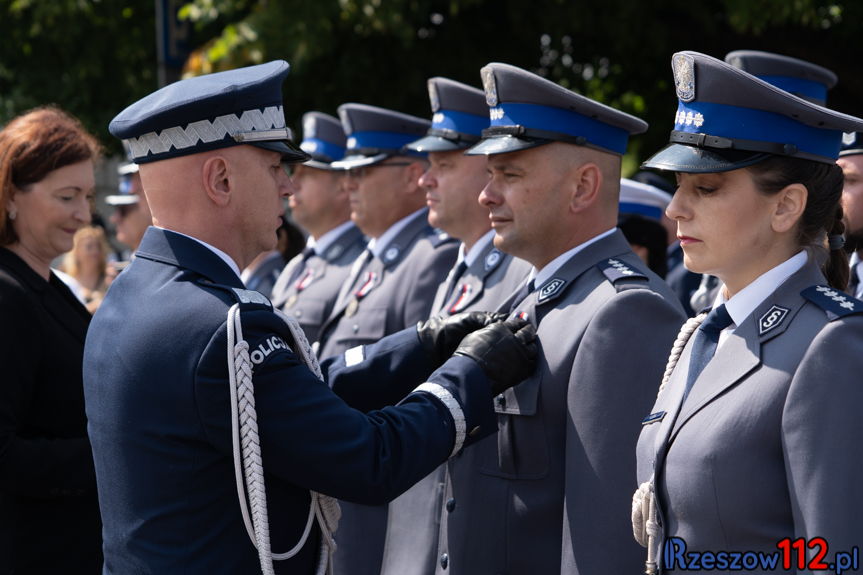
[
  {"x": 356, "y": 328},
  {"x": 298, "y": 313},
  {"x": 444, "y": 560},
  {"x": 450, "y": 504},
  {"x": 501, "y": 401}
]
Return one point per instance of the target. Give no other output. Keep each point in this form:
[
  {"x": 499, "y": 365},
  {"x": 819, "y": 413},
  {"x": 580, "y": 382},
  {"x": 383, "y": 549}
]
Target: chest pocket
[
  {"x": 310, "y": 312},
  {"x": 522, "y": 442},
  {"x": 367, "y": 326}
]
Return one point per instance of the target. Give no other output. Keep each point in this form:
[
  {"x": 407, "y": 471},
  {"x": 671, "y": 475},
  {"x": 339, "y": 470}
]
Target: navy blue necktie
[
  {"x": 453, "y": 280},
  {"x": 301, "y": 265},
  {"x": 705, "y": 342},
  {"x": 520, "y": 295}
]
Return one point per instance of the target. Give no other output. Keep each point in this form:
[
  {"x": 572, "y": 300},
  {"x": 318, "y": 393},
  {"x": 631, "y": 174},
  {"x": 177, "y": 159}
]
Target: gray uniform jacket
[
  {"x": 484, "y": 285},
  {"x": 398, "y": 295},
  {"x": 767, "y": 444},
  {"x": 551, "y": 492},
  {"x": 414, "y": 517},
  {"x": 307, "y": 288}
]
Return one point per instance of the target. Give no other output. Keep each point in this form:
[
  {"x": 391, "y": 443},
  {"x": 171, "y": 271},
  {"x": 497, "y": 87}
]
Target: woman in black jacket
[{"x": 49, "y": 515}]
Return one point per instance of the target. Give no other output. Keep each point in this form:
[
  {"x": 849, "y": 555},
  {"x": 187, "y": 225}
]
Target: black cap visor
[
  {"x": 694, "y": 160},
  {"x": 291, "y": 154},
  {"x": 436, "y": 144},
  {"x": 503, "y": 144}
]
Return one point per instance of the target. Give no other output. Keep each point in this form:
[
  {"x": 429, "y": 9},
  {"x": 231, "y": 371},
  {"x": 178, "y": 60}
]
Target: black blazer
[{"x": 49, "y": 515}]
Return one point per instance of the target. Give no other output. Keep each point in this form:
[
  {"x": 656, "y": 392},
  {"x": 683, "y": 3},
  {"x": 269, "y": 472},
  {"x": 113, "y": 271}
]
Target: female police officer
[{"x": 755, "y": 462}]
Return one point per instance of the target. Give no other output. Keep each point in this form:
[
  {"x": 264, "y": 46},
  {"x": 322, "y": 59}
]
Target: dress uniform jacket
[
  {"x": 47, "y": 482},
  {"x": 551, "y": 492},
  {"x": 307, "y": 288},
  {"x": 414, "y": 517},
  {"x": 158, "y": 405},
  {"x": 400, "y": 293},
  {"x": 484, "y": 285},
  {"x": 404, "y": 281},
  {"x": 767, "y": 445}
]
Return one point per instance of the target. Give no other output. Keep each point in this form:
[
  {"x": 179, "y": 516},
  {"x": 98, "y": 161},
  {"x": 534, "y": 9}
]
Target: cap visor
[
  {"x": 122, "y": 200},
  {"x": 435, "y": 144},
  {"x": 357, "y": 161},
  {"x": 319, "y": 165},
  {"x": 502, "y": 145},
  {"x": 290, "y": 153},
  {"x": 692, "y": 160}
]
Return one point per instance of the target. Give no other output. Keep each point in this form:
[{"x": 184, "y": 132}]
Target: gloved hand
[
  {"x": 506, "y": 352},
  {"x": 440, "y": 336}
]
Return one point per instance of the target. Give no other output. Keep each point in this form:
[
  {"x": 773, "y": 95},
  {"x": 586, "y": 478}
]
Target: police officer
[
  {"x": 851, "y": 162},
  {"x": 805, "y": 80},
  {"x": 550, "y": 493},
  {"x": 131, "y": 216},
  {"x": 751, "y": 441},
  {"x": 642, "y": 216},
  {"x": 181, "y": 362},
  {"x": 307, "y": 288},
  {"x": 393, "y": 285},
  {"x": 482, "y": 279}
]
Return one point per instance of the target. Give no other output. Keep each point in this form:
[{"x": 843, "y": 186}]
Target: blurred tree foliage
[{"x": 94, "y": 57}]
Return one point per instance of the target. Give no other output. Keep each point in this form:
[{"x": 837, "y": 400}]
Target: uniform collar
[
  {"x": 546, "y": 273},
  {"x": 477, "y": 250},
  {"x": 379, "y": 245},
  {"x": 749, "y": 298},
  {"x": 184, "y": 251},
  {"x": 323, "y": 243}
]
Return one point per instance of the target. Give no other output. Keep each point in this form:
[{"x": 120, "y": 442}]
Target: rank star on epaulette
[{"x": 834, "y": 302}]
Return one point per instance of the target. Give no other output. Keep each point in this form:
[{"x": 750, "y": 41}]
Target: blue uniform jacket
[{"x": 158, "y": 404}]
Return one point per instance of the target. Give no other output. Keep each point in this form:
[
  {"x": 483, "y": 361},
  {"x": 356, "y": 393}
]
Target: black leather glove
[
  {"x": 440, "y": 336},
  {"x": 505, "y": 351}
]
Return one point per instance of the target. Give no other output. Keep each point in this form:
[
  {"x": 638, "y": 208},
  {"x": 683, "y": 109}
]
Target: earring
[{"x": 13, "y": 214}]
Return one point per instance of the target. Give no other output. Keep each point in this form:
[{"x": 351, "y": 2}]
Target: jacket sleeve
[
  {"x": 822, "y": 439},
  {"x": 33, "y": 466},
  {"x": 313, "y": 439},
  {"x": 613, "y": 382}
]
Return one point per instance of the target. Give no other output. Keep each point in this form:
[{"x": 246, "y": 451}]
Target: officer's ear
[
  {"x": 217, "y": 184},
  {"x": 790, "y": 205},
  {"x": 586, "y": 182}
]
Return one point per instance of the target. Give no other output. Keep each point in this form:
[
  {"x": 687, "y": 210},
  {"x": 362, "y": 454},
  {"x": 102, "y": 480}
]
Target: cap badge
[
  {"x": 489, "y": 86},
  {"x": 352, "y": 142},
  {"x": 684, "y": 76},
  {"x": 848, "y": 138},
  {"x": 433, "y": 98}
]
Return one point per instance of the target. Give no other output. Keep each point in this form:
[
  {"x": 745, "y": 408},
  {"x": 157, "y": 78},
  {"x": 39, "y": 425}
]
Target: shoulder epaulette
[
  {"x": 618, "y": 272},
  {"x": 835, "y": 303},
  {"x": 248, "y": 299}
]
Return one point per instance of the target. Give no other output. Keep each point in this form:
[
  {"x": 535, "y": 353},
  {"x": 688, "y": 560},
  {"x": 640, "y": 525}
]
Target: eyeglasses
[{"x": 361, "y": 172}]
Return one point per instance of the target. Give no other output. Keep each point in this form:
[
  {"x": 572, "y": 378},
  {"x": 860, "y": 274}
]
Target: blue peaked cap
[
  {"x": 323, "y": 139},
  {"x": 460, "y": 114},
  {"x": 803, "y": 79},
  {"x": 242, "y": 106},
  {"x": 728, "y": 119},
  {"x": 527, "y": 110},
  {"x": 374, "y": 134}
]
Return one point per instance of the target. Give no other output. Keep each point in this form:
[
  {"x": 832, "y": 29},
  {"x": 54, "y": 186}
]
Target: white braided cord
[
  {"x": 182, "y": 137},
  {"x": 645, "y": 525},
  {"x": 683, "y": 336},
  {"x": 454, "y": 408},
  {"x": 248, "y": 464}
]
